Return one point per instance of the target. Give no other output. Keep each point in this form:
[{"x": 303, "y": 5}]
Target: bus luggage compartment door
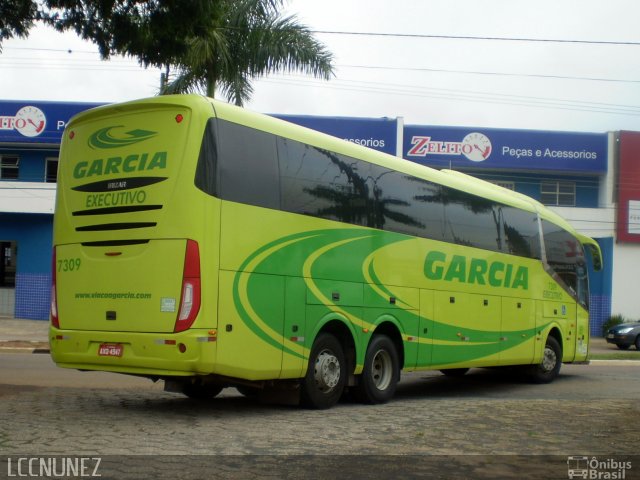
[{"x": 125, "y": 288}]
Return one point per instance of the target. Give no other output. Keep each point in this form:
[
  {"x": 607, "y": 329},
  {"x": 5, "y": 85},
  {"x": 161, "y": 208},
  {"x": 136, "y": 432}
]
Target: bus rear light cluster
[
  {"x": 55, "y": 321},
  {"x": 190, "y": 294}
]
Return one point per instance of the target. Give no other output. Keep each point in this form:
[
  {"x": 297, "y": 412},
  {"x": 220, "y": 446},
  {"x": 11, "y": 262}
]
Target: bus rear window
[{"x": 206, "y": 170}]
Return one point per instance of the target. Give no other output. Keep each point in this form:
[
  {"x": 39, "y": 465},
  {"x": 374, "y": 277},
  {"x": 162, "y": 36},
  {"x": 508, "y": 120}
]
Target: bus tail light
[
  {"x": 190, "y": 294},
  {"x": 55, "y": 321}
]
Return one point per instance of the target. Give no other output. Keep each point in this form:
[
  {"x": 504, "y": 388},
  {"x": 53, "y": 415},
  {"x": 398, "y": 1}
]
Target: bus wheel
[
  {"x": 326, "y": 375},
  {"x": 201, "y": 391},
  {"x": 549, "y": 368},
  {"x": 381, "y": 371}
]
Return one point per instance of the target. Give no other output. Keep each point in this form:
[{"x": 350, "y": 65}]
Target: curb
[
  {"x": 21, "y": 346},
  {"x": 621, "y": 363},
  {"x": 24, "y": 350}
]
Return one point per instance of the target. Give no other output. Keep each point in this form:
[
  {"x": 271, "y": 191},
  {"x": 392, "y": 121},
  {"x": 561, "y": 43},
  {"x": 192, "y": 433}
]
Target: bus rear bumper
[{"x": 154, "y": 355}]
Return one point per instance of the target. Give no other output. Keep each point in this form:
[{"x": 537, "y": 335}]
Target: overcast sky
[{"x": 585, "y": 76}]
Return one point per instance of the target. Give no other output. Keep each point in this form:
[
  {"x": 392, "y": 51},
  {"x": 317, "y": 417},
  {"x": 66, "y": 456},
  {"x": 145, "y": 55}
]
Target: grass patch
[{"x": 630, "y": 355}]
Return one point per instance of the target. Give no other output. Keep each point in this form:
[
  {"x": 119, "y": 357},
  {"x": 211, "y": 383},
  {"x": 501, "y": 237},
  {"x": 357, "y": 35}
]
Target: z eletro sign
[
  {"x": 506, "y": 149},
  {"x": 36, "y": 122},
  {"x": 29, "y": 121}
]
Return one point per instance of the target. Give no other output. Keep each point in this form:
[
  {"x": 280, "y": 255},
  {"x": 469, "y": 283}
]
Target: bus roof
[{"x": 448, "y": 178}]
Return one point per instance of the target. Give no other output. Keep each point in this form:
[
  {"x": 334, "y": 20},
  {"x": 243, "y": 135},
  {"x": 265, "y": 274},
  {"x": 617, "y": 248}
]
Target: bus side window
[
  {"x": 325, "y": 184},
  {"x": 305, "y": 176},
  {"x": 247, "y": 165},
  {"x": 471, "y": 220},
  {"x": 521, "y": 235},
  {"x": 565, "y": 256}
]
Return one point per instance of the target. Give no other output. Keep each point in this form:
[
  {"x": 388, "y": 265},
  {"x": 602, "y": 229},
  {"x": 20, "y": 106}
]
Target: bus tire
[
  {"x": 326, "y": 375},
  {"x": 549, "y": 368},
  {"x": 381, "y": 372}
]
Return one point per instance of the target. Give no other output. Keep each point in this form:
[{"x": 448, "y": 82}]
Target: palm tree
[{"x": 247, "y": 39}]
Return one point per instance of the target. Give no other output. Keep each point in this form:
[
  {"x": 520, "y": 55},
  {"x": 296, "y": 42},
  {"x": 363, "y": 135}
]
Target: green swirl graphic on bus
[{"x": 105, "y": 138}]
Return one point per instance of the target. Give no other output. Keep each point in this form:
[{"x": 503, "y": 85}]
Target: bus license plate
[{"x": 110, "y": 350}]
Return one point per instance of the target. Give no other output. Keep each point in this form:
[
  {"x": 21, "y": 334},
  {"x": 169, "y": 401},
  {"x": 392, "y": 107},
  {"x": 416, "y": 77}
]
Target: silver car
[{"x": 625, "y": 335}]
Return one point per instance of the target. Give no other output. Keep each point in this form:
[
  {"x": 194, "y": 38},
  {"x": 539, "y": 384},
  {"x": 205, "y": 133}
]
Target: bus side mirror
[{"x": 596, "y": 256}]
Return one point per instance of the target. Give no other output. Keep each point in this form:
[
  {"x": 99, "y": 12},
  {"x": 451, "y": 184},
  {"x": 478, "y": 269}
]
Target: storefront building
[
  {"x": 30, "y": 134},
  {"x": 584, "y": 176},
  {"x": 566, "y": 171}
]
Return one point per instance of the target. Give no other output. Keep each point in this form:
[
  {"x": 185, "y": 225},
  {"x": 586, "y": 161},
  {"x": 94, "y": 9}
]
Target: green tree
[
  {"x": 244, "y": 40},
  {"x": 16, "y": 18},
  {"x": 213, "y": 44},
  {"x": 154, "y": 32}
]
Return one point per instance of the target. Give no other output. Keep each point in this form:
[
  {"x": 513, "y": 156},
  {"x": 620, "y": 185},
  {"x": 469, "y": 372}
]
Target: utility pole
[{"x": 164, "y": 80}]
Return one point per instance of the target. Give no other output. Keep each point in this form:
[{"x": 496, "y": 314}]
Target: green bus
[{"x": 207, "y": 246}]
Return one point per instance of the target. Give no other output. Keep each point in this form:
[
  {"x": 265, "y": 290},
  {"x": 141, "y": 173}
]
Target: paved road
[{"x": 50, "y": 411}]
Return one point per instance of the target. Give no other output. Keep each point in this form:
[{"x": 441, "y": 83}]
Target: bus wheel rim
[
  {"x": 381, "y": 369},
  {"x": 549, "y": 360},
  {"x": 327, "y": 371}
]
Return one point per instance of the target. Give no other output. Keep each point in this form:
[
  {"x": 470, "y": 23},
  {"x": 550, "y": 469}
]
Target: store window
[
  {"x": 507, "y": 185},
  {"x": 561, "y": 194},
  {"x": 51, "y": 170},
  {"x": 9, "y": 167}
]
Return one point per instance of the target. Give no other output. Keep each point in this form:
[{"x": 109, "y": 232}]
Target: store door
[{"x": 8, "y": 256}]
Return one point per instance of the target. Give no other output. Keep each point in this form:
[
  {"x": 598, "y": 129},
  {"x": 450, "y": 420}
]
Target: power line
[
  {"x": 463, "y": 37},
  {"x": 470, "y": 96},
  {"x": 417, "y": 36},
  {"x": 65, "y": 50},
  {"x": 505, "y": 74},
  {"x": 372, "y": 87},
  {"x": 511, "y": 96},
  {"x": 373, "y": 67}
]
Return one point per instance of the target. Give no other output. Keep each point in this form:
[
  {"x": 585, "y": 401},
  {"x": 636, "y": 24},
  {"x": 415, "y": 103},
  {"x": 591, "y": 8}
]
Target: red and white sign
[
  {"x": 474, "y": 146},
  {"x": 29, "y": 121}
]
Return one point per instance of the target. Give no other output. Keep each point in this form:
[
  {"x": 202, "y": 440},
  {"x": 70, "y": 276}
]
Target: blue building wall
[
  {"x": 600, "y": 288},
  {"x": 31, "y": 166},
  {"x": 33, "y": 234}
]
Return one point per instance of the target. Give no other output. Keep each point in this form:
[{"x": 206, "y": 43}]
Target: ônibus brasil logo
[
  {"x": 105, "y": 138},
  {"x": 474, "y": 146}
]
